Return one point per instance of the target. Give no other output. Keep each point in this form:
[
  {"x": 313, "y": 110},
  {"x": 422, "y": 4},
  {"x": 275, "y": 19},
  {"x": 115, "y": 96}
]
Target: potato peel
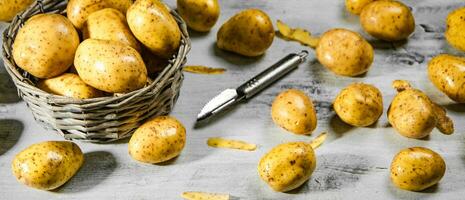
[
  {"x": 318, "y": 141},
  {"x": 203, "y": 70},
  {"x": 298, "y": 34},
  {"x": 231, "y": 144},
  {"x": 445, "y": 124},
  {"x": 204, "y": 196}
]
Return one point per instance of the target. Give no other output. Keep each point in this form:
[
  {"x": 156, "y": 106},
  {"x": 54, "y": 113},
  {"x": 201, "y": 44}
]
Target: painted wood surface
[{"x": 352, "y": 164}]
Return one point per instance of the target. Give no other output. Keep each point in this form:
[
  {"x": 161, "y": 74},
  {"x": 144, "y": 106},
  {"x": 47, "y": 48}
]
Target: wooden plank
[{"x": 352, "y": 164}]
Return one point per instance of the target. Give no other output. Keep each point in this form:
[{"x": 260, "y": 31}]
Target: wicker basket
[{"x": 101, "y": 119}]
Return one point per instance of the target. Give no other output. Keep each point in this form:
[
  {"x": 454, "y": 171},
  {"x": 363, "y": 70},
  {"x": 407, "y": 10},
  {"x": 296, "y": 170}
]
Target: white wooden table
[{"x": 352, "y": 164}]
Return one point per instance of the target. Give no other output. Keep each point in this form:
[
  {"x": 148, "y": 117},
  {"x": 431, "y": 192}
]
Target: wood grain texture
[{"x": 352, "y": 164}]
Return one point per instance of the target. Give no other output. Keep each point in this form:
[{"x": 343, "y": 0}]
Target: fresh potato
[
  {"x": 447, "y": 73},
  {"x": 47, "y": 165},
  {"x": 45, "y": 45},
  {"x": 388, "y": 20},
  {"x": 414, "y": 115},
  {"x": 249, "y": 33},
  {"x": 344, "y": 52},
  {"x": 70, "y": 85},
  {"x": 287, "y": 166},
  {"x": 9, "y": 8},
  {"x": 294, "y": 111},
  {"x": 109, "y": 24},
  {"x": 110, "y": 66},
  {"x": 200, "y": 15},
  {"x": 417, "y": 169},
  {"x": 157, "y": 140},
  {"x": 455, "y": 34},
  {"x": 153, "y": 25},
  {"x": 79, "y": 10},
  {"x": 359, "y": 104},
  {"x": 356, "y": 6}
]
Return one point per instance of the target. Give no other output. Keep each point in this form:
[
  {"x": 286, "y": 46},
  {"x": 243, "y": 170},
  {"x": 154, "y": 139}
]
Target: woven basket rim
[{"x": 19, "y": 78}]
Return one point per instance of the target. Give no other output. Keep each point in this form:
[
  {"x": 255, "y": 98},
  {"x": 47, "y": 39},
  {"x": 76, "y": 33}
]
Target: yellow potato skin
[
  {"x": 356, "y": 6},
  {"x": 45, "y": 45},
  {"x": 109, "y": 24},
  {"x": 152, "y": 24},
  {"x": 412, "y": 114},
  {"x": 200, "y": 15},
  {"x": 417, "y": 169},
  {"x": 79, "y": 10},
  {"x": 248, "y": 33},
  {"x": 344, "y": 52},
  {"x": 47, "y": 165},
  {"x": 110, "y": 66},
  {"x": 70, "y": 85},
  {"x": 287, "y": 166},
  {"x": 387, "y": 20},
  {"x": 9, "y": 8},
  {"x": 294, "y": 111},
  {"x": 359, "y": 104},
  {"x": 455, "y": 29},
  {"x": 157, "y": 140},
  {"x": 447, "y": 73}
]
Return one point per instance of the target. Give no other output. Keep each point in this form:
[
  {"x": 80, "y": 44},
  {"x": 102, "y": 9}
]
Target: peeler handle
[{"x": 272, "y": 74}]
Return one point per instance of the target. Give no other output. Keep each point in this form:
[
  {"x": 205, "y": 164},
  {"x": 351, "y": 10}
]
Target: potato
[
  {"x": 455, "y": 34},
  {"x": 414, "y": 115},
  {"x": 294, "y": 111},
  {"x": 287, "y": 166},
  {"x": 249, "y": 33},
  {"x": 45, "y": 45},
  {"x": 344, "y": 52},
  {"x": 200, "y": 15},
  {"x": 110, "y": 66},
  {"x": 153, "y": 25},
  {"x": 47, "y": 165},
  {"x": 359, "y": 104},
  {"x": 109, "y": 24},
  {"x": 356, "y": 6},
  {"x": 70, "y": 85},
  {"x": 79, "y": 10},
  {"x": 9, "y": 8},
  {"x": 417, "y": 168},
  {"x": 447, "y": 73},
  {"x": 157, "y": 140},
  {"x": 387, "y": 20}
]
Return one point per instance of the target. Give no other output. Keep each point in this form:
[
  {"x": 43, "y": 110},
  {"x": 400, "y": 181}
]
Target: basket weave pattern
[{"x": 101, "y": 119}]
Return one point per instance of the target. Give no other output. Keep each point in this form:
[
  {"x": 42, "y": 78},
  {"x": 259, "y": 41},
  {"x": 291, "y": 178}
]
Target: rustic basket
[{"x": 101, "y": 119}]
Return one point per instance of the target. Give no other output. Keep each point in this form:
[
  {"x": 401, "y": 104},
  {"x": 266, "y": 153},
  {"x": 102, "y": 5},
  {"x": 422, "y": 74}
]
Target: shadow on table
[
  {"x": 98, "y": 166},
  {"x": 348, "y": 17},
  {"x": 405, "y": 194},
  {"x": 335, "y": 172},
  {"x": 459, "y": 108},
  {"x": 337, "y": 126},
  {"x": 10, "y": 132},
  {"x": 8, "y": 92},
  {"x": 196, "y": 34},
  {"x": 234, "y": 58}
]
